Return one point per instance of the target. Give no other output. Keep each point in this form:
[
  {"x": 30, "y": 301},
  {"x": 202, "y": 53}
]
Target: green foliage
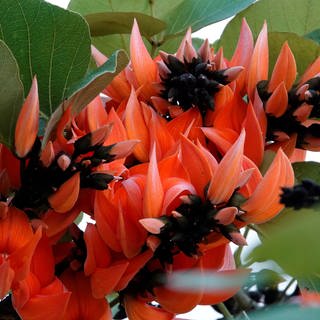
[
  {"x": 177, "y": 15},
  {"x": 307, "y": 170},
  {"x": 294, "y": 16},
  {"x": 85, "y": 90},
  {"x": 49, "y": 42},
  {"x": 11, "y": 94},
  {"x": 292, "y": 240},
  {"x": 105, "y": 23},
  {"x": 282, "y": 312}
]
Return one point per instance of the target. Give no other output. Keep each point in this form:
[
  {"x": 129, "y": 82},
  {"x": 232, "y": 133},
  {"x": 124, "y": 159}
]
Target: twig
[{"x": 225, "y": 312}]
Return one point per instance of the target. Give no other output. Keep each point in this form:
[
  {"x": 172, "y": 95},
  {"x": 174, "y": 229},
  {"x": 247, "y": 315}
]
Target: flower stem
[
  {"x": 237, "y": 254},
  {"x": 225, "y": 312}
]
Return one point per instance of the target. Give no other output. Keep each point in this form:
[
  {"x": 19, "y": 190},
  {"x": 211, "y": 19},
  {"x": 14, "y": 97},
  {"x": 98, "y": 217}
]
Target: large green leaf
[
  {"x": 47, "y": 41},
  {"x": 307, "y": 170},
  {"x": 296, "y": 16},
  {"x": 85, "y": 90},
  {"x": 110, "y": 43},
  {"x": 104, "y": 23},
  {"x": 292, "y": 240},
  {"x": 284, "y": 312},
  {"x": 178, "y": 15},
  {"x": 298, "y": 46},
  {"x": 200, "y": 13},
  {"x": 11, "y": 94}
]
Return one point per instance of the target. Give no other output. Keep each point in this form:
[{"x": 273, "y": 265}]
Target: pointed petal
[
  {"x": 311, "y": 71},
  {"x": 144, "y": 67},
  {"x": 264, "y": 203},
  {"x": 66, "y": 196},
  {"x": 227, "y": 174},
  {"x": 277, "y": 104},
  {"x": 6, "y": 278},
  {"x": 254, "y": 143},
  {"x": 285, "y": 69},
  {"x": 153, "y": 194},
  {"x": 137, "y": 128},
  {"x": 28, "y": 122},
  {"x": 259, "y": 65}
]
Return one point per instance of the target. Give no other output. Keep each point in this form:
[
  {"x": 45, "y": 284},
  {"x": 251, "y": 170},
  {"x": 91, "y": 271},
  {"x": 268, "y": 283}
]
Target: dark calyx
[
  {"x": 192, "y": 83},
  {"x": 303, "y": 195}
]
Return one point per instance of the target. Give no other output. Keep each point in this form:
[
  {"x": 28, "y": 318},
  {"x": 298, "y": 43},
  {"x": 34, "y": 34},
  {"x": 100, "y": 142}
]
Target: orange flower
[
  {"x": 41, "y": 290},
  {"x": 17, "y": 245}
]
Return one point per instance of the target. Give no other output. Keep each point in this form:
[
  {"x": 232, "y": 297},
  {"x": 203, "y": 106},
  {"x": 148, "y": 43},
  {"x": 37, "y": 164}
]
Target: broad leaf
[
  {"x": 11, "y": 94},
  {"x": 200, "y": 13},
  {"x": 105, "y": 23},
  {"x": 110, "y": 43},
  {"x": 298, "y": 46},
  {"x": 81, "y": 93},
  {"x": 177, "y": 15},
  {"x": 307, "y": 170},
  {"x": 49, "y": 42},
  {"x": 293, "y": 16},
  {"x": 284, "y": 312},
  {"x": 292, "y": 239}
]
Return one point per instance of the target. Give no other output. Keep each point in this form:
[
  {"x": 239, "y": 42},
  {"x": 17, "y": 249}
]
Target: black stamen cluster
[
  {"x": 185, "y": 233},
  {"x": 39, "y": 182},
  {"x": 302, "y": 195},
  {"x": 192, "y": 83},
  {"x": 288, "y": 123}
]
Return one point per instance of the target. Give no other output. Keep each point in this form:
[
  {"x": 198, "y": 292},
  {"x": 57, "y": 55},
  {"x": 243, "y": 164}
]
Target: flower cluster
[{"x": 168, "y": 170}]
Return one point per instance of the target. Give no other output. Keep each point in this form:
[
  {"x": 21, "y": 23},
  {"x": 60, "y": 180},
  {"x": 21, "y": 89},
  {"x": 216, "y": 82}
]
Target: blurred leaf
[
  {"x": 200, "y": 13},
  {"x": 293, "y": 16},
  {"x": 208, "y": 281},
  {"x": 105, "y": 23},
  {"x": 307, "y": 170},
  {"x": 284, "y": 312},
  {"x": 298, "y": 46},
  {"x": 81, "y": 93},
  {"x": 292, "y": 241},
  {"x": 264, "y": 278},
  {"x": 11, "y": 95},
  {"x": 313, "y": 35},
  {"x": 49, "y": 42}
]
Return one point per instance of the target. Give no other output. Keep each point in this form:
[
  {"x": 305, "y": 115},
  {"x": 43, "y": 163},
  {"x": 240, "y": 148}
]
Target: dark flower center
[{"x": 192, "y": 83}]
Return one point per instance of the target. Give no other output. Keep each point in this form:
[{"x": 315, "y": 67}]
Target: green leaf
[
  {"x": 200, "y": 13},
  {"x": 11, "y": 95},
  {"x": 49, "y": 42},
  {"x": 292, "y": 241},
  {"x": 298, "y": 46},
  {"x": 284, "y": 312},
  {"x": 293, "y": 16},
  {"x": 178, "y": 16},
  {"x": 105, "y": 23},
  {"x": 307, "y": 170},
  {"x": 81, "y": 93},
  {"x": 110, "y": 43}
]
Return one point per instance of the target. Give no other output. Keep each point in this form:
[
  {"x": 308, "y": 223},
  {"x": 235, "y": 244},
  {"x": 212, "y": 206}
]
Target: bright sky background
[{"x": 212, "y": 33}]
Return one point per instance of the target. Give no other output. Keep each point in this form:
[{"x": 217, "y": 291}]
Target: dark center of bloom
[
  {"x": 192, "y": 83},
  {"x": 189, "y": 225},
  {"x": 38, "y": 181},
  {"x": 288, "y": 122}
]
